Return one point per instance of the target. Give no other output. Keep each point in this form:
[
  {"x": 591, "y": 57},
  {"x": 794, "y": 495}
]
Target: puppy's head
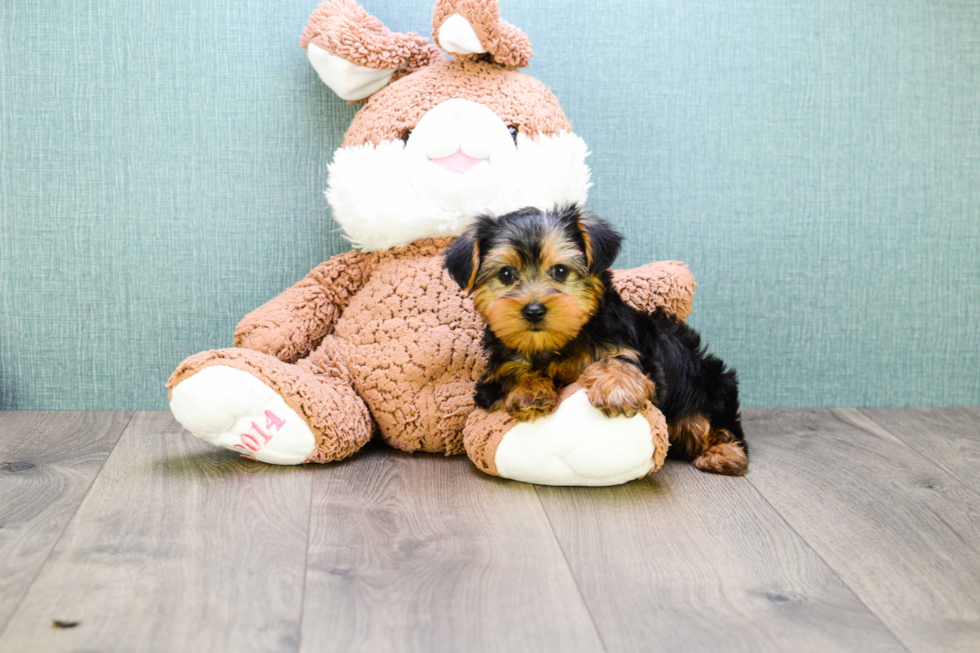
[{"x": 536, "y": 277}]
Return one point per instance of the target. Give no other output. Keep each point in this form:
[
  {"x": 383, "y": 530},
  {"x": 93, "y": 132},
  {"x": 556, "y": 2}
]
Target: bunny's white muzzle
[{"x": 460, "y": 161}]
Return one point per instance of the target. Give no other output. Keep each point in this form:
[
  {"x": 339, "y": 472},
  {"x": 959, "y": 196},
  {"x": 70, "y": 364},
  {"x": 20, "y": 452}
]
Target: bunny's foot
[
  {"x": 268, "y": 410},
  {"x": 575, "y": 445},
  {"x": 233, "y": 409}
]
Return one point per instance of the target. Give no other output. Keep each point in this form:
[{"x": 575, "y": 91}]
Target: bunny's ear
[
  {"x": 474, "y": 27},
  {"x": 355, "y": 55}
]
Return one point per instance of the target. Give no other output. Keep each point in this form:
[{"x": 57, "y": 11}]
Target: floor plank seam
[
  {"x": 44, "y": 563},
  {"x": 571, "y": 571},
  {"x": 918, "y": 453},
  {"x": 306, "y": 567},
  {"x": 806, "y": 543}
]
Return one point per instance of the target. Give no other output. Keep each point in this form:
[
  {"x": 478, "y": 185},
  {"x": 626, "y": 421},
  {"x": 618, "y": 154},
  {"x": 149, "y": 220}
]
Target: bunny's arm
[
  {"x": 291, "y": 325},
  {"x": 667, "y": 284}
]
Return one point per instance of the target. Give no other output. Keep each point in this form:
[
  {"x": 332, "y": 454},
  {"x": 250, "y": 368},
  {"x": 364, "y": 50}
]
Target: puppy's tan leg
[
  {"x": 617, "y": 387},
  {"x": 534, "y": 396},
  {"x": 710, "y": 450}
]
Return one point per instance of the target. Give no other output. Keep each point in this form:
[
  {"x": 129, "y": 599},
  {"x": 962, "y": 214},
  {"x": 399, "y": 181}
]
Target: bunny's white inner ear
[
  {"x": 349, "y": 81},
  {"x": 457, "y": 36}
]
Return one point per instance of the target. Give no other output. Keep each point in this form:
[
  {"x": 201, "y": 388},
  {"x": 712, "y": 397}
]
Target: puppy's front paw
[
  {"x": 616, "y": 387},
  {"x": 530, "y": 401}
]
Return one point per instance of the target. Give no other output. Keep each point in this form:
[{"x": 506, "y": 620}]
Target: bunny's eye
[
  {"x": 405, "y": 135},
  {"x": 513, "y": 132}
]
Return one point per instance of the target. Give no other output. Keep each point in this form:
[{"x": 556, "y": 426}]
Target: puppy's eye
[
  {"x": 560, "y": 272},
  {"x": 507, "y": 276},
  {"x": 405, "y": 135},
  {"x": 513, "y": 132}
]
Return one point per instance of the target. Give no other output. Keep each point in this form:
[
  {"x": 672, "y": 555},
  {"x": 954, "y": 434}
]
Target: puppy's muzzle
[{"x": 534, "y": 312}]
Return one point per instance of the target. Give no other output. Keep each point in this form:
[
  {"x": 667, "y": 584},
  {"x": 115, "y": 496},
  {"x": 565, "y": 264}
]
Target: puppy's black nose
[{"x": 534, "y": 312}]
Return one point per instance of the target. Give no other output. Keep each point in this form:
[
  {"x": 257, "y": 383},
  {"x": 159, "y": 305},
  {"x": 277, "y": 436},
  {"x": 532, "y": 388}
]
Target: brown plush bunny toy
[{"x": 380, "y": 341}]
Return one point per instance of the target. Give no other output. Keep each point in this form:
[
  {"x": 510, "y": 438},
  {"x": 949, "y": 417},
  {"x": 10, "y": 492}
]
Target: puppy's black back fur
[{"x": 688, "y": 379}]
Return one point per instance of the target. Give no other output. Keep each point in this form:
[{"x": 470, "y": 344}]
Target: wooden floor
[{"x": 854, "y": 531}]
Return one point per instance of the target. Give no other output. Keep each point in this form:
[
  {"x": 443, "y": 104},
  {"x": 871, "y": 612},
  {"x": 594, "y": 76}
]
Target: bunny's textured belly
[{"x": 414, "y": 353}]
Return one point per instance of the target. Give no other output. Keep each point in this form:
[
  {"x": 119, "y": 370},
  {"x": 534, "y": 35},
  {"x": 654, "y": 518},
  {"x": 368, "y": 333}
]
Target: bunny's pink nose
[{"x": 458, "y": 162}]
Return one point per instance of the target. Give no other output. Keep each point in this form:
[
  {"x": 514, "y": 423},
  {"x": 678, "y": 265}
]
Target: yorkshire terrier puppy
[{"x": 542, "y": 283}]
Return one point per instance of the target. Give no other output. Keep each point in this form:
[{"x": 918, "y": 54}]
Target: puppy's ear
[
  {"x": 462, "y": 259},
  {"x": 600, "y": 241}
]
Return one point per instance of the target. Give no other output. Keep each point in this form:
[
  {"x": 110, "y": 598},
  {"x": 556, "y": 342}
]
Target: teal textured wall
[{"x": 815, "y": 162}]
